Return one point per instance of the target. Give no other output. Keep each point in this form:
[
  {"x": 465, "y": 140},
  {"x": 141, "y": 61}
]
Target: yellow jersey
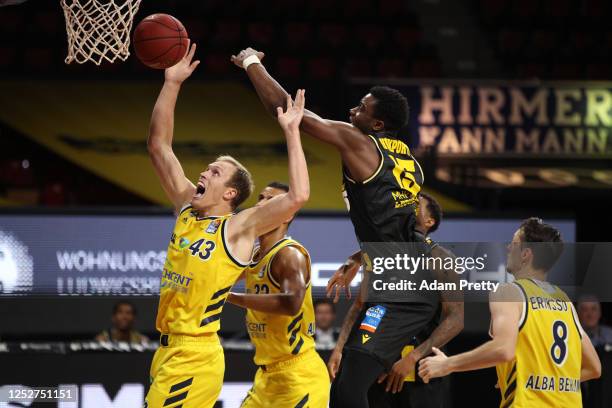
[
  {"x": 278, "y": 337},
  {"x": 198, "y": 274},
  {"x": 546, "y": 369}
]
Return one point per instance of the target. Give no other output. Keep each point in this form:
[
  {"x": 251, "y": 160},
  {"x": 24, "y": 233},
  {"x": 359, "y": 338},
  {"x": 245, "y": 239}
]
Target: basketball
[{"x": 160, "y": 41}]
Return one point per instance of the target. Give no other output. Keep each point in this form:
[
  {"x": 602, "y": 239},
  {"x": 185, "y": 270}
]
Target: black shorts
[
  {"x": 384, "y": 329},
  {"x": 417, "y": 394}
]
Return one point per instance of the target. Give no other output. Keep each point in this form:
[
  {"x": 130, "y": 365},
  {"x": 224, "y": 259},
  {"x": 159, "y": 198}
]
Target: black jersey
[{"x": 383, "y": 207}]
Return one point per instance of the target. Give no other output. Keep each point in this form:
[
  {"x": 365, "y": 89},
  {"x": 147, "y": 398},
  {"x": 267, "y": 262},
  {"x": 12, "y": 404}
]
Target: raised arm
[
  {"x": 169, "y": 170},
  {"x": 290, "y": 269},
  {"x": 255, "y": 221},
  {"x": 357, "y": 150}
]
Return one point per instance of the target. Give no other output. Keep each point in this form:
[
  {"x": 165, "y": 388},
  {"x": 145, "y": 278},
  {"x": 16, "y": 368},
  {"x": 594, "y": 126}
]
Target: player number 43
[{"x": 202, "y": 248}]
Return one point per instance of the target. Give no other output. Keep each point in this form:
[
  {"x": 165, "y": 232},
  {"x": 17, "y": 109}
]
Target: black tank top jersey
[{"x": 383, "y": 207}]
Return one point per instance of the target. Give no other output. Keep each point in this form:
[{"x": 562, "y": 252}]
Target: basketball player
[
  {"x": 280, "y": 321},
  {"x": 209, "y": 249},
  {"x": 381, "y": 182},
  {"x": 447, "y": 324},
  {"x": 538, "y": 347}
]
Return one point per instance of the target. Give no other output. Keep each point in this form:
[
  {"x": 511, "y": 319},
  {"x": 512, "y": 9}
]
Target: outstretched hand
[
  {"x": 184, "y": 68},
  {"x": 247, "y": 52},
  {"x": 342, "y": 279},
  {"x": 291, "y": 118}
]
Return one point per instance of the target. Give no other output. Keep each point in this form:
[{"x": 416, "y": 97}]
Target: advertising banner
[{"x": 69, "y": 255}]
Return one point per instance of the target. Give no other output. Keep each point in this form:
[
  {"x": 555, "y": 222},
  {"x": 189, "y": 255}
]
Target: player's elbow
[
  {"x": 505, "y": 354},
  {"x": 299, "y": 198},
  {"x": 154, "y": 146},
  {"x": 596, "y": 370},
  {"x": 293, "y": 308},
  {"x": 292, "y": 304}
]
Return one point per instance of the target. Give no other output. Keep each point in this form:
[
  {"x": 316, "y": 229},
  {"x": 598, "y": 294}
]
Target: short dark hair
[
  {"x": 279, "y": 186},
  {"x": 391, "y": 107},
  {"x": 117, "y": 305},
  {"x": 547, "y": 239},
  {"x": 433, "y": 206},
  {"x": 325, "y": 301}
]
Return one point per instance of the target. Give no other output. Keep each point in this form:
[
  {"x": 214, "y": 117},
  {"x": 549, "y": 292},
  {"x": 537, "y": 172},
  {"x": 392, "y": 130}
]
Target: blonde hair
[{"x": 241, "y": 180}]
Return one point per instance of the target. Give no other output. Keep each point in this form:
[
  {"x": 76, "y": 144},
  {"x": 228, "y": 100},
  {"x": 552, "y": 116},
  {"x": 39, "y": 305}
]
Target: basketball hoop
[{"x": 99, "y": 29}]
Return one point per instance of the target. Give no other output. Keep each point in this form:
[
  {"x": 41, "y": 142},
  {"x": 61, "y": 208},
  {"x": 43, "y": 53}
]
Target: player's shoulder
[
  {"x": 291, "y": 250},
  {"x": 507, "y": 292}
]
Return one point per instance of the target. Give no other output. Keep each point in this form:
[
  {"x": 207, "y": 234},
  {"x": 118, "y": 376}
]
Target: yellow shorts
[
  {"x": 188, "y": 372},
  {"x": 299, "y": 382}
]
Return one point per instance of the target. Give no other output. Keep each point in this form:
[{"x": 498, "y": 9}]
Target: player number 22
[{"x": 204, "y": 253}]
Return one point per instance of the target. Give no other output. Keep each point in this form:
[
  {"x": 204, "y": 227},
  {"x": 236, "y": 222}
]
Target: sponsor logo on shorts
[{"x": 373, "y": 317}]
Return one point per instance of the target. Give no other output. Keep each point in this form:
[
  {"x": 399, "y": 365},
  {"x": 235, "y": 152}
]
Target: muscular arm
[
  {"x": 349, "y": 320},
  {"x": 505, "y": 318},
  {"x": 290, "y": 269},
  {"x": 170, "y": 172},
  {"x": 253, "y": 222},
  {"x": 357, "y": 150},
  {"x": 451, "y": 321}
]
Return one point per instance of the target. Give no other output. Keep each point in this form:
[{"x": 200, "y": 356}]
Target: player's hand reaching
[
  {"x": 290, "y": 120},
  {"x": 400, "y": 370},
  {"x": 334, "y": 363},
  {"x": 342, "y": 279},
  {"x": 183, "y": 69},
  {"x": 433, "y": 367},
  {"x": 244, "y": 54}
]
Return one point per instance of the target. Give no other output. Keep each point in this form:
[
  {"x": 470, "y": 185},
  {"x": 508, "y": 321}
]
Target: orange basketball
[{"x": 160, "y": 41}]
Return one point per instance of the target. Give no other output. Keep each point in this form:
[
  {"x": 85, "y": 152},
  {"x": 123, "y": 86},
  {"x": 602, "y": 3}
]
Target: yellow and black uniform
[
  {"x": 187, "y": 370},
  {"x": 291, "y": 373},
  {"x": 383, "y": 207},
  {"x": 546, "y": 369}
]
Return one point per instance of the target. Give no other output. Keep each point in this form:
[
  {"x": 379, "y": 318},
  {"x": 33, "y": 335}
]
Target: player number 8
[{"x": 558, "y": 351}]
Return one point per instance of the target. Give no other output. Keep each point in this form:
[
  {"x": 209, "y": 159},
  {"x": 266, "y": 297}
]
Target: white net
[{"x": 99, "y": 29}]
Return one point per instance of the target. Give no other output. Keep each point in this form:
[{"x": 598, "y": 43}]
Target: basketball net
[{"x": 99, "y": 29}]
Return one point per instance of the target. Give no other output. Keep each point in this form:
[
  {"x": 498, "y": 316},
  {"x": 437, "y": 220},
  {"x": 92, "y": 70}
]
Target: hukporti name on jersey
[{"x": 550, "y": 383}]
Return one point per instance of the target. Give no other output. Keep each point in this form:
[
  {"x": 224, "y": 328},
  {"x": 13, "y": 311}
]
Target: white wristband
[{"x": 251, "y": 59}]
